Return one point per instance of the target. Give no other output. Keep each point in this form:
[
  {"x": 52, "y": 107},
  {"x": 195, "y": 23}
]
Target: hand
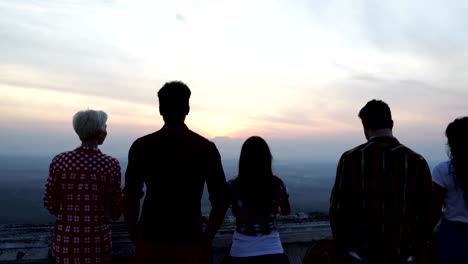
[
  {"x": 206, "y": 246},
  {"x": 206, "y": 241},
  {"x": 133, "y": 231}
]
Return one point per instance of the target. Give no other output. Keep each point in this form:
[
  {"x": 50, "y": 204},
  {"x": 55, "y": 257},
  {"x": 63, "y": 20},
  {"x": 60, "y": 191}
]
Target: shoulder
[
  {"x": 278, "y": 181},
  {"x": 354, "y": 151},
  {"x": 414, "y": 156},
  {"x": 281, "y": 187},
  {"x": 444, "y": 165},
  {"x": 194, "y": 136},
  {"x": 442, "y": 168},
  {"x": 441, "y": 173},
  {"x": 63, "y": 156},
  {"x": 62, "y": 160},
  {"x": 142, "y": 142},
  {"x": 146, "y": 138},
  {"x": 113, "y": 161},
  {"x": 410, "y": 152},
  {"x": 203, "y": 144}
]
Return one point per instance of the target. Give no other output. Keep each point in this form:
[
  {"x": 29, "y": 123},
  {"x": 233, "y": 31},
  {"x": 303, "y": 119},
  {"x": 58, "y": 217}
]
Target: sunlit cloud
[{"x": 281, "y": 69}]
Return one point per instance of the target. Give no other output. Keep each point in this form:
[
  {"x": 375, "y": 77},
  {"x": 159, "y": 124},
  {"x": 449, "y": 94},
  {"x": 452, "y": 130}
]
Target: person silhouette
[
  {"x": 380, "y": 205},
  {"x": 450, "y": 184},
  {"x": 174, "y": 163},
  {"x": 256, "y": 196},
  {"x": 83, "y": 191}
]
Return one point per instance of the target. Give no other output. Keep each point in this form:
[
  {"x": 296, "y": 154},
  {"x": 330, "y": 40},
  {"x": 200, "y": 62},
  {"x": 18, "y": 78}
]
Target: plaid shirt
[
  {"x": 248, "y": 223},
  {"x": 381, "y": 201},
  {"x": 83, "y": 190}
]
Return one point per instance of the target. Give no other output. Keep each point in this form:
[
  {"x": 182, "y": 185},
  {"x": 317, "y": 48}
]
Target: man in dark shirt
[
  {"x": 174, "y": 163},
  {"x": 381, "y": 199}
]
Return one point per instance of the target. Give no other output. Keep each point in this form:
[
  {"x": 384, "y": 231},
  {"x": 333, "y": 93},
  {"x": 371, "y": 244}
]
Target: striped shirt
[{"x": 381, "y": 202}]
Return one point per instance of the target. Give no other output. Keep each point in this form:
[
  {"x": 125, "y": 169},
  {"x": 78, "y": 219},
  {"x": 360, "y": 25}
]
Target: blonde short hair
[{"x": 88, "y": 123}]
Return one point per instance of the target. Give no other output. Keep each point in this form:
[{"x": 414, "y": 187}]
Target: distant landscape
[{"x": 22, "y": 181}]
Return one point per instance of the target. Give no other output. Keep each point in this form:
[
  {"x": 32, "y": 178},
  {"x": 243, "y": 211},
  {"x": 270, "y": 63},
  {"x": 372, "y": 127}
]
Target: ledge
[{"x": 31, "y": 243}]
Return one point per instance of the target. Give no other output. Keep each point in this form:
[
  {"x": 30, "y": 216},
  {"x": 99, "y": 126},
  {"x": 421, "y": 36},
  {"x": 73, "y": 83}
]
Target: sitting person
[
  {"x": 256, "y": 196},
  {"x": 83, "y": 191},
  {"x": 450, "y": 184}
]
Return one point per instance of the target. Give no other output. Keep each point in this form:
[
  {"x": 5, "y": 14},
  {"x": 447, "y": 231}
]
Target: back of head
[
  {"x": 376, "y": 114},
  {"x": 457, "y": 136},
  {"x": 255, "y": 158},
  {"x": 89, "y": 123},
  {"x": 255, "y": 175},
  {"x": 174, "y": 101},
  {"x": 457, "y": 141}
]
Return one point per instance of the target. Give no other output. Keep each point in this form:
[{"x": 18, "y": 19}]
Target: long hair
[
  {"x": 255, "y": 177},
  {"x": 457, "y": 141}
]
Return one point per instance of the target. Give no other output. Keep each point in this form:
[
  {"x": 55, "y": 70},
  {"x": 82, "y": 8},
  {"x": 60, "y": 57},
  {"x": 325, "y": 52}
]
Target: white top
[
  {"x": 455, "y": 207},
  {"x": 249, "y": 246}
]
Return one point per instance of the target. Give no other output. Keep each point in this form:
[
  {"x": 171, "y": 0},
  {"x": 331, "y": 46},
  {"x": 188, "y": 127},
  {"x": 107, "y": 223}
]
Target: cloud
[
  {"x": 432, "y": 28},
  {"x": 297, "y": 69},
  {"x": 180, "y": 17},
  {"x": 103, "y": 84}
]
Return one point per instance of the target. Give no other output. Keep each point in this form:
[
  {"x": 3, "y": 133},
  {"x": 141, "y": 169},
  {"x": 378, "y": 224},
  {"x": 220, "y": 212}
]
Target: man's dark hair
[
  {"x": 376, "y": 115},
  {"x": 174, "y": 100}
]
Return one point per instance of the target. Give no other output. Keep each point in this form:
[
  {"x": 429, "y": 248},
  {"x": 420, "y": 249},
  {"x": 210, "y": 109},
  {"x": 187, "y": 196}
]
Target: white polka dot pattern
[{"x": 84, "y": 192}]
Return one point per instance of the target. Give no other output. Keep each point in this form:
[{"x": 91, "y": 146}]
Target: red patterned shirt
[{"x": 84, "y": 192}]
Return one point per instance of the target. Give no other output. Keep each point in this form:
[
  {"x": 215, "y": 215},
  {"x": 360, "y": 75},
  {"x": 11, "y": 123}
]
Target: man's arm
[
  {"x": 334, "y": 200},
  {"x": 217, "y": 189},
  {"x": 336, "y": 210},
  {"x": 133, "y": 192},
  {"x": 438, "y": 192},
  {"x": 439, "y": 199},
  {"x": 424, "y": 217}
]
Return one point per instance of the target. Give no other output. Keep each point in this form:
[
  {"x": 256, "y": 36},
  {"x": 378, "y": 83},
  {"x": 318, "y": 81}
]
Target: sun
[{"x": 215, "y": 126}]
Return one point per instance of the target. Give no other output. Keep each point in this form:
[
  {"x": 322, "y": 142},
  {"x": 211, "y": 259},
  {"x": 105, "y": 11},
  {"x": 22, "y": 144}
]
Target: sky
[{"x": 294, "y": 72}]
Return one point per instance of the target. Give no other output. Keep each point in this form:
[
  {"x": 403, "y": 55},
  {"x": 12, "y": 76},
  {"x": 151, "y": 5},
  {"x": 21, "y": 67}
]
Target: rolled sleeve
[{"x": 439, "y": 174}]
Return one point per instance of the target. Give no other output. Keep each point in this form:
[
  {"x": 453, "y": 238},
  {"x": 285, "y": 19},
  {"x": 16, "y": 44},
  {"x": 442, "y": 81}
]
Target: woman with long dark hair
[
  {"x": 450, "y": 181},
  {"x": 257, "y": 197}
]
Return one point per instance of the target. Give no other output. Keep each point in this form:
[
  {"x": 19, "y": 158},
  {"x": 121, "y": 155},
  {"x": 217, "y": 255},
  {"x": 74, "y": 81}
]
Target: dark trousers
[
  {"x": 262, "y": 259},
  {"x": 156, "y": 253},
  {"x": 453, "y": 239}
]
